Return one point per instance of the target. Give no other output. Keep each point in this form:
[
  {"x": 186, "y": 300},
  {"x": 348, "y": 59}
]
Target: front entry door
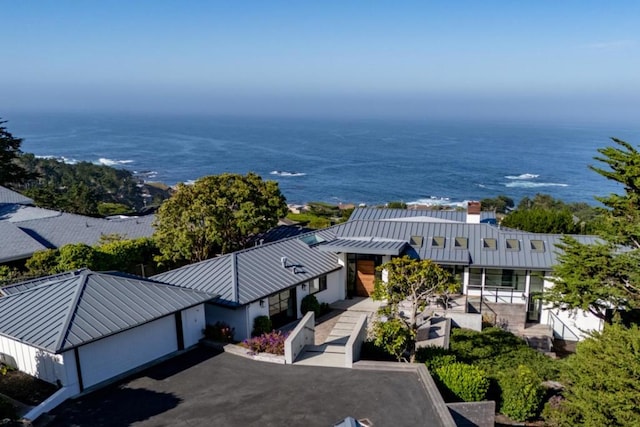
[
  {"x": 365, "y": 277},
  {"x": 534, "y": 307}
]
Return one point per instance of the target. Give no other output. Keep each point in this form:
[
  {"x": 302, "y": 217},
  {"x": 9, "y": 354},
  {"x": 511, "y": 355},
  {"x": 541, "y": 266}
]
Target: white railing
[
  {"x": 51, "y": 402},
  {"x": 560, "y": 329}
]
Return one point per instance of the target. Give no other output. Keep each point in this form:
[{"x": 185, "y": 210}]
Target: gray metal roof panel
[
  {"x": 430, "y": 214},
  {"x": 364, "y": 246},
  {"x": 68, "y": 228},
  {"x": 255, "y": 273},
  {"x": 12, "y": 197},
  {"x": 28, "y": 284},
  {"x": 16, "y": 244},
  {"x": 19, "y": 213},
  {"x": 475, "y": 233},
  {"x": 58, "y": 315}
]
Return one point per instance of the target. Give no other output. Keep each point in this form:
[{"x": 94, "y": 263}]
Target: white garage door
[{"x": 108, "y": 357}]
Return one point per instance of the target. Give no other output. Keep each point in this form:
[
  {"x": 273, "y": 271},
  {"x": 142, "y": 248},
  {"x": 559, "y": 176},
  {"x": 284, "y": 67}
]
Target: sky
[{"x": 544, "y": 59}]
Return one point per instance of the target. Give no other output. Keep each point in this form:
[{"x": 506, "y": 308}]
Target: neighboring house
[
  {"x": 31, "y": 229},
  {"x": 81, "y": 329}
]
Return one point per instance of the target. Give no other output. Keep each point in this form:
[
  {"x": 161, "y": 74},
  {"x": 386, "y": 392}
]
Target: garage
[{"x": 81, "y": 329}]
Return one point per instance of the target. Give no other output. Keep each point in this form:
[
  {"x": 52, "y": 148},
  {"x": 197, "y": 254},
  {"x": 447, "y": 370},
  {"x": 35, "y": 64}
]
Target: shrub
[
  {"x": 261, "y": 325},
  {"x": 310, "y": 303},
  {"x": 7, "y": 410},
  {"x": 521, "y": 393},
  {"x": 324, "y": 308},
  {"x": 370, "y": 351},
  {"x": 219, "y": 331},
  {"x": 467, "y": 382},
  {"x": 271, "y": 342},
  {"x": 393, "y": 337}
]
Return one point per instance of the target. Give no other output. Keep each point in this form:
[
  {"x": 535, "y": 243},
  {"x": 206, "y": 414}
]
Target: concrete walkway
[{"x": 331, "y": 351}]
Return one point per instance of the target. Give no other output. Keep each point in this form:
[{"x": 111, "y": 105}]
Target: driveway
[{"x": 206, "y": 388}]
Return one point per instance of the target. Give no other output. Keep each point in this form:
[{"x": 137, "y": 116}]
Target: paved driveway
[{"x": 204, "y": 388}]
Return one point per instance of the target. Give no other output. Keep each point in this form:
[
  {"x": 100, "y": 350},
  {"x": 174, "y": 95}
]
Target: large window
[
  {"x": 475, "y": 276},
  {"x": 505, "y": 278},
  {"x": 318, "y": 285},
  {"x": 457, "y": 271}
]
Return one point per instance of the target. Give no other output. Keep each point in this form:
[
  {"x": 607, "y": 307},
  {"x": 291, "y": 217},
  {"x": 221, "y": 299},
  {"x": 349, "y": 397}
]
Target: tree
[
  {"x": 217, "y": 214},
  {"x": 412, "y": 283},
  {"x": 499, "y": 204},
  {"x": 539, "y": 220},
  {"x": 602, "y": 381},
  {"x": 10, "y": 170},
  {"x": 606, "y": 274}
]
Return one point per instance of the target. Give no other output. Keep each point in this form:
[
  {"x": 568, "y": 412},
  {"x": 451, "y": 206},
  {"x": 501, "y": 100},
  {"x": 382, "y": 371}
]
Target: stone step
[
  {"x": 335, "y": 360},
  {"x": 325, "y": 348}
]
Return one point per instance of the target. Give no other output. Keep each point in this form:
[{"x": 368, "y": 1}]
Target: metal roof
[
  {"x": 475, "y": 254},
  {"x": 371, "y": 246},
  {"x": 425, "y": 214},
  {"x": 252, "y": 274},
  {"x": 65, "y": 228},
  {"x": 16, "y": 244},
  {"x": 18, "y": 213},
  {"x": 70, "y": 311},
  {"x": 28, "y": 284},
  {"x": 12, "y": 197}
]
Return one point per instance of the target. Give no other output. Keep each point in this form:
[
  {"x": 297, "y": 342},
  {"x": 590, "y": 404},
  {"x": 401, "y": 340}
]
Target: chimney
[{"x": 473, "y": 212}]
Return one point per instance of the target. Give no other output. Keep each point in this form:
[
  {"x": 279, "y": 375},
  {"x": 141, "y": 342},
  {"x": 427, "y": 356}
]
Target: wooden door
[{"x": 365, "y": 278}]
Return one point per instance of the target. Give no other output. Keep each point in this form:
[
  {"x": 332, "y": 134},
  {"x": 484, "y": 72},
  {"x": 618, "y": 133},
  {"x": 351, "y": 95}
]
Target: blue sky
[{"x": 571, "y": 59}]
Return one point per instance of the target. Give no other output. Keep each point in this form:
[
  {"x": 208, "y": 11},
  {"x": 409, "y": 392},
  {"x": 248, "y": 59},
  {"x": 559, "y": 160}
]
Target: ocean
[{"x": 355, "y": 161}]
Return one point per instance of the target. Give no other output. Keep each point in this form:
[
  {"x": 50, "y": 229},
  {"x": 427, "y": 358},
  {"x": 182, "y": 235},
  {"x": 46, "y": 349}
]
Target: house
[
  {"x": 502, "y": 271},
  {"x": 267, "y": 280},
  {"x": 31, "y": 229},
  {"x": 81, "y": 329}
]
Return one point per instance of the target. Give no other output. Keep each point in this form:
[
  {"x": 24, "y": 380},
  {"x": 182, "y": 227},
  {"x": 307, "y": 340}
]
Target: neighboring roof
[
  {"x": 16, "y": 244},
  {"x": 11, "y": 197},
  {"x": 18, "y": 213},
  {"x": 425, "y": 214},
  {"x": 71, "y": 310},
  {"x": 475, "y": 254},
  {"x": 278, "y": 233},
  {"x": 251, "y": 274},
  {"x": 28, "y": 284},
  {"x": 66, "y": 228},
  {"x": 371, "y": 246}
]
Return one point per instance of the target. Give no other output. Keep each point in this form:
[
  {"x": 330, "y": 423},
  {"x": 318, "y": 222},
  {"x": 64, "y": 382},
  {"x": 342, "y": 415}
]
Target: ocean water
[{"x": 359, "y": 161}]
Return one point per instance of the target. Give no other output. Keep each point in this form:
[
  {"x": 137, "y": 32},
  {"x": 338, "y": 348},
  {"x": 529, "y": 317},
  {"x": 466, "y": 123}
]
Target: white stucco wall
[
  {"x": 39, "y": 363},
  {"x": 193, "y": 322},
  {"x": 254, "y": 310},
  {"x": 336, "y": 288},
  {"x": 234, "y": 317},
  {"x": 108, "y": 357},
  {"x": 579, "y": 322}
]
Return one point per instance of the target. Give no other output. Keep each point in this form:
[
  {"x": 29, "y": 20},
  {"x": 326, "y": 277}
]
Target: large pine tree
[{"x": 10, "y": 170}]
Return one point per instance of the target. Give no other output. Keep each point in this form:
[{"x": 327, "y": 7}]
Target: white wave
[
  {"x": 523, "y": 176},
  {"x": 190, "y": 182},
  {"x": 285, "y": 173},
  {"x": 438, "y": 201},
  {"x": 525, "y": 184},
  {"x": 62, "y": 159},
  {"x": 109, "y": 162}
]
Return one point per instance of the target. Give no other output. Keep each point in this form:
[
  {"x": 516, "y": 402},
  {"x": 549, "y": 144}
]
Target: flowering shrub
[{"x": 270, "y": 342}]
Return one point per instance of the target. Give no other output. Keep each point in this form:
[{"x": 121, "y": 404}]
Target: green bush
[
  {"x": 310, "y": 303},
  {"x": 261, "y": 325},
  {"x": 7, "y": 410},
  {"x": 393, "y": 337},
  {"x": 219, "y": 331},
  {"x": 466, "y": 382},
  {"x": 435, "y": 357},
  {"x": 521, "y": 393}
]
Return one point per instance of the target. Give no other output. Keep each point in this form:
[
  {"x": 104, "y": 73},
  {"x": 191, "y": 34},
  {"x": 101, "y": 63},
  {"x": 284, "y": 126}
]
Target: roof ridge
[
  {"x": 64, "y": 330},
  {"x": 150, "y": 282},
  {"x": 48, "y": 282}
]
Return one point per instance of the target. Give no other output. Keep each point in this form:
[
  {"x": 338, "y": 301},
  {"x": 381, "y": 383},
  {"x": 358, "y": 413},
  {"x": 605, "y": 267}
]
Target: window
[
  {"x": 475, "y": 276},
  {"x": 536, "y": 282},
  {"x": 461, "y": 243},
  {"x": 502, "y": 278},
  {"x": 490, "y": 243},
  {"x": 318, "y": 285},
  {"x": 537, "y": 245},
  {"x": 513, "y": 244},
  {"x": 416, "y": 241},
  {"x": 438, "y": 242}
]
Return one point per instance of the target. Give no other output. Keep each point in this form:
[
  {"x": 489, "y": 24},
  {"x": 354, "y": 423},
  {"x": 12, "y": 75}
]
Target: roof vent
[
  {"x": 283, "y": 261},
  {"x": 294, "y": 270}
]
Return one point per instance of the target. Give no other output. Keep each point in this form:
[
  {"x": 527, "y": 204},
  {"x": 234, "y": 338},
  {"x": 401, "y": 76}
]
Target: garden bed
[{"x": 25, "y": 388}]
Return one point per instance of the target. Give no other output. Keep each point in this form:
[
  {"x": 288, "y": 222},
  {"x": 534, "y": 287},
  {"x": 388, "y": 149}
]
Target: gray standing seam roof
[
  {"x": 13, "y": 198},
  {"x": 70, "y": 311},
  {"x": 251, "y": 274},
  {"x": 364, "y": 246},
  {"x": 394, "y": 214},
  {"x": 16, "y": 244},
  {"x": 65, "y": 228},
  {"x": 475, "y": 254}
]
